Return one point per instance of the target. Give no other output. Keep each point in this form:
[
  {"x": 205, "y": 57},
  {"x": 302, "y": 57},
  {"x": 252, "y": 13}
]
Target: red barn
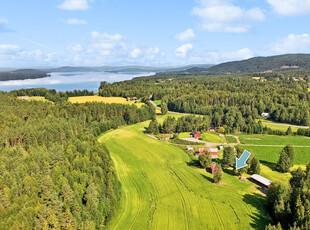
[
  {"x": 196, "y": 134},
  {"x": 262, "y": 181}
]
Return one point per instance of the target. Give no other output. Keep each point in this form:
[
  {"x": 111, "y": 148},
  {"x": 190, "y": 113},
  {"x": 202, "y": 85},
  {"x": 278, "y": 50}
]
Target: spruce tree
[
  {"x": 228, "y": 157},
  {"x": 205, "y": 160}
]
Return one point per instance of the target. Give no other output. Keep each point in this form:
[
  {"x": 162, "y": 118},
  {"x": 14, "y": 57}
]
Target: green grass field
[
  {"x": 274, "y": 140},
  {"x": 184, "y": 135},
  {"x": 271, "y": 154},
  {"x": 280, "y": 127},
  {"x": 109, "y": 100},
  {"x": 214, "y": 138},
  {"x": 158, "y": 102},
  {"x": 231, "y": 139},
  {"x": 162, "y": 190}
]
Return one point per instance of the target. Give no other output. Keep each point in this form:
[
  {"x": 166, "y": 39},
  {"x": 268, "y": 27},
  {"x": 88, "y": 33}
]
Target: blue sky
[{"x": 149, "y": 32}]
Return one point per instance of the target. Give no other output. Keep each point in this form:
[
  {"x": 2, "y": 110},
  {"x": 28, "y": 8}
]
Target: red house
[
  {"x": 195, "y": 134},
  {"x": 212, "y": 166},
  {"x": 213, "y": 152}
]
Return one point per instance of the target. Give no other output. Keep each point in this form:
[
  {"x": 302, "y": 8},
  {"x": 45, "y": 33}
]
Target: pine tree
[
  {"x": 289, "y": 131},
  {"x": 217, "y": 173},
  {"x": 255, "y": 166},
  {"x": 164, "y": 108},
  {"x": 205, "y": 160},
  {"x": 228, "y": 157}
]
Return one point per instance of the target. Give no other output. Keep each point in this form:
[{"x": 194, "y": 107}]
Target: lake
[{"x": 70, "y": 81}]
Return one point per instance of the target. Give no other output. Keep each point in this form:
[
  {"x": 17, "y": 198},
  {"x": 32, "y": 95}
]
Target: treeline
[
  {"x": 216, "y": 96},
  {"x": 233, "y": 122},
  {"x": 51, "y": 94},
  {"x": 17, "y": 75},
  {"x": 182, "y": 124},
  {"x": 289, "y": 205},
  {"x": 53, "y": 171}
]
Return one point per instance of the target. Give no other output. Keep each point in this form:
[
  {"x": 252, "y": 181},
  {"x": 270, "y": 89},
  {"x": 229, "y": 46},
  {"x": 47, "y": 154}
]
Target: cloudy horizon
[{"x": 159, "y": 33}]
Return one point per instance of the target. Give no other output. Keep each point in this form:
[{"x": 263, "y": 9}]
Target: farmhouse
[
  {"x": 265, "y": 115},
  {"x": 213, "y": 152},
  {"x": 195, "y": 134},
  {"x": 128, "y": 98},
  {"x": 24, "y": 97},
  {"x": 262, "y": 181}
]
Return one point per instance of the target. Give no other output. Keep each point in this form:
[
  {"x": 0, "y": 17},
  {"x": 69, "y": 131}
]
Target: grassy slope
[
  {"x": 214, "y": 138},
  {"x": 274, "y": 140},
  {"x": 118, "y": 100},
  {"x": 161, "y": 191}
]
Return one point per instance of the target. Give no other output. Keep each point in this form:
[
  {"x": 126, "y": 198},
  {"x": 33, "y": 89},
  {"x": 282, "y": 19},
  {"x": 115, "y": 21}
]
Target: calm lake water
[{"x": 70, "y": 81}]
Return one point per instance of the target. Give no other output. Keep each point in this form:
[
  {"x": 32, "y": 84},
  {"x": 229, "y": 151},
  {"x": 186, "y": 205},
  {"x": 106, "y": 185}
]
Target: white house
[
  {"x": 189, "y": 148},
  {"x": 265, "y": 115}
]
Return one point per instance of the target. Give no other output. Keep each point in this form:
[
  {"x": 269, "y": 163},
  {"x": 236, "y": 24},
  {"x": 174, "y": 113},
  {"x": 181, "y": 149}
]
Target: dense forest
[
  {"x": 22, "y": 74},
  {"x": 53, "y": 171},
  {"x": 226, "y": 99},
  {"x": 262, "y": 64}
]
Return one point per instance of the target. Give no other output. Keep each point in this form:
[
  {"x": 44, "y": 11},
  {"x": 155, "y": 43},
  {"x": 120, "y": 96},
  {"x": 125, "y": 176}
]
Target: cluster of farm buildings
[{"x": 257, "y": 179}]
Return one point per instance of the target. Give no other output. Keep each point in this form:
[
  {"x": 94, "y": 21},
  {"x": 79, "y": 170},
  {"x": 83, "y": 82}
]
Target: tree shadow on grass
[
  {"x": 229, "y": 171},
  {"x": 261, "y": 218},
  {"x": 194, "y": 163},
  {"x": 208, "y": 178},
  {"x": 272, "y": 166}
]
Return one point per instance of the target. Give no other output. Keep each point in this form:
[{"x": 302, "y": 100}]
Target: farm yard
[
  {"x": 162, "y": 190},
  {"x": 109, "y": 100}
]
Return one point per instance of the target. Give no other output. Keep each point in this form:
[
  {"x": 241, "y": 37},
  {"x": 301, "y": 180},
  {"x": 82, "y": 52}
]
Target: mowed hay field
[
  {"x": 109, "y": 100},
  {"x": 161, "y": 190}
]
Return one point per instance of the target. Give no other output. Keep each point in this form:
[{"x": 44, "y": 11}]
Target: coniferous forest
[{"x": 53, "y": 171}]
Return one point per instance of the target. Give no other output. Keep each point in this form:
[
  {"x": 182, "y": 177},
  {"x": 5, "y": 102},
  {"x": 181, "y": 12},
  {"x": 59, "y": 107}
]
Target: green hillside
[{"x": 162, "y": 191}]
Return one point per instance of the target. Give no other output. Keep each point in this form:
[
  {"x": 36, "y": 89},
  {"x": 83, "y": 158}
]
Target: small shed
[
  {"x": 265, "y": 115},
  {"x": 262, "y": 181},
  {"x": 128, "y": 98},
  {"x": 189, "y": 148}
]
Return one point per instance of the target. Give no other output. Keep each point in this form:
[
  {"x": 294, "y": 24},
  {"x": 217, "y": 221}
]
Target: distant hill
[
  {"x": 126, "y": 69},
  {"x": 22, "y": 74},
  {"x": 264, "y": 64}
]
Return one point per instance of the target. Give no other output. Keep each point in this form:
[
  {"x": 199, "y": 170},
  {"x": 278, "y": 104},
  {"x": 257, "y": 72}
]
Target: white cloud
[
  {"x": 4, "y": 21},
  {"x": 224, "y": 56},
  {"x": 290, "y": 7},
  {"x": 183, "y": 50},
  {"x": 9, "y": 49},
  {"x": 106, "y": 37},
  {"x": 292, "y": 44},
  {"x": 222, "y": 16},
  {"x": 135, "y": 53},
  {"x": 185, "y": 36},
  {"x": 75, "y": 21},
  {"x": 74, "y": 5}
]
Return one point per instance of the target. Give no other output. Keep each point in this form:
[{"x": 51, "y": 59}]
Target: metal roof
[{"x": 261, "y": 179}]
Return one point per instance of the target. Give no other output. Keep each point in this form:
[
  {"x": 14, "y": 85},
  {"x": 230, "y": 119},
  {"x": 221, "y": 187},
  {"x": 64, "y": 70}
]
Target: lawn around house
[
  {"x": 162, "y": 191},
  {"x": 109, "y": 100},
  {"x": 213, "y": 138}
]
